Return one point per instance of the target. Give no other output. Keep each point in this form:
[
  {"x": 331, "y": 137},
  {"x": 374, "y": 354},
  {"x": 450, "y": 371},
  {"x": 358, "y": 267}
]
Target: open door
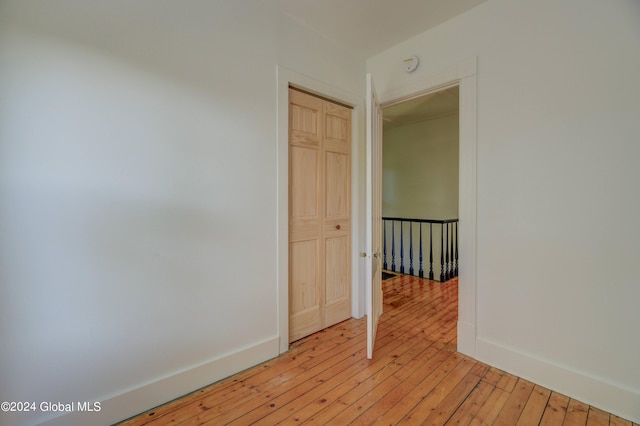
[{"x": 374, "y": 216}]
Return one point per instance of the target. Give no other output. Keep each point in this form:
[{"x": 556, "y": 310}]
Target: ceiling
[
  {"x": 368, "y": 27},
  {"x": 432, "y": 105}
]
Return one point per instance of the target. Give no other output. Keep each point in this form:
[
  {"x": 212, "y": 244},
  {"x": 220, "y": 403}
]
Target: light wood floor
[{"x": 416, "y": 377}]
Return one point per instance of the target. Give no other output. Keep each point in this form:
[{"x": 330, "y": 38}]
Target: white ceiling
[{"x": 368, "y": 27}]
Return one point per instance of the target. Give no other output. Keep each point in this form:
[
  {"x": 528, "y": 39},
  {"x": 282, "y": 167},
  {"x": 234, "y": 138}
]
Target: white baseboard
[
  {"x": 598, "y": 392},
  {"x": 466, "y": 343},
  {"x": 134, "y": 401}
]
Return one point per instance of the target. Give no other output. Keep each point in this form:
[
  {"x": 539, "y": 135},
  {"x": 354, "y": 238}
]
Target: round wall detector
[{"x": 411, "y": 63}]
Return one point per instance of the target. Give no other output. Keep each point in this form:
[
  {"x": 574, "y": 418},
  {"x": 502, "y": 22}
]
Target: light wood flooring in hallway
[{"x": 416, "y": 377}]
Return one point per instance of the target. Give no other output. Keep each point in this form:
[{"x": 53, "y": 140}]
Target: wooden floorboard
[{"x": 415, "y": 377}]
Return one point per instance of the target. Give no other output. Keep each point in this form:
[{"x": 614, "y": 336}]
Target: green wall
[{"x": 420, "y": 169}]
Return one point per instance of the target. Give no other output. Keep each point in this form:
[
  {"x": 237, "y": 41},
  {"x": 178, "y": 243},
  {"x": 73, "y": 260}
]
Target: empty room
[{"x": 154, "y": 167}]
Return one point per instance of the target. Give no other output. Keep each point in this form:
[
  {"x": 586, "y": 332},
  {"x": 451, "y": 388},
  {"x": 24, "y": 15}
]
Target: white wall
[
  {"x": 138, "y": 195},
  {"x": 557, "y": 228},
  {"x": 420, "y": 169}
]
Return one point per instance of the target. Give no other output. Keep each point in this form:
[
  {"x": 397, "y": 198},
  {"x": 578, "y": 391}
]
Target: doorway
[
  {"x": 463, "y": 74},
  {"x": 420, "y": 184}
]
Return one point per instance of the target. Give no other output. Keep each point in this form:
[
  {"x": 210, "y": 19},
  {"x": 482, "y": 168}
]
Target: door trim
[
  {"x": 286, "y": 78},
  {"x": 463, "y": 74}
]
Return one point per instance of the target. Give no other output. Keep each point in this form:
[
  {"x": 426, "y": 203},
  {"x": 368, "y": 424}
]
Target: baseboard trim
[
  {"x": 466, "y": 338},
  {"x": 134, "y": 401},
  {"x": 598, "y": 392}
]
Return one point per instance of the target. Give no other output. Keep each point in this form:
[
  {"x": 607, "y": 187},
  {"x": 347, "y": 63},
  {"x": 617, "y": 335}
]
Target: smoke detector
[{"x": 411, "y": 63}]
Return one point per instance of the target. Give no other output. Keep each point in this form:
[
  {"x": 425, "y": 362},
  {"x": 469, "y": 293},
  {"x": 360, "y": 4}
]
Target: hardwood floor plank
[
  {"x": 289, "y": 391},
  {"x": 358, "y": 389},
  {"x": 405, "y": 382},
  {"x": 448, "y": 406},
  {"x": 617, "y": 421},
  {"x": 491, "y": 408},
  {"x": 597, "y": 417},
  {"x": 470, "y": 407},
  {"x": 492, "y": 376},
  {"x": 480, "y": 369},
  {"x": 555, "y": 410},
  {"x": 416, "y": 393},
  {"x": 428, "y": 403},
  {"x": 533, "y": 410},
  {"x": 302, "y": 407},
  {"x": 507, "y": 382},
  {"x": 307, "y": 379},
  {"x": 286, "y": 405},
  {"x": 577, "y": 413},
  {"x": 514, "y": 405},
  {"x": 349, "y": 392}
]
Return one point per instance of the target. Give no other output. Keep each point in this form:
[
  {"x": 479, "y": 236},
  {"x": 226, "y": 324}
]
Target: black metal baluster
[
  {"x": 456, "y": 261},
  {"x": 421, "y": 272},
  {"x": 442, "y": 252},
  {"x": 410, "y": 248},
  {"x": 451, "y": 260},
  {"x": 446, "y": 254},
  {"x": 384, "y": 239},
  {"x": 401, "y": 247},
  {"x": 431, "y": 251},
  {"x": 393, "y": 245}
]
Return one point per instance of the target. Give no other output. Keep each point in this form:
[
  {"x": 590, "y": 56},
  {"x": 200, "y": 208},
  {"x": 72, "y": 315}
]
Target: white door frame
[
  {"x": 464, "y": 75},
  {"x": 287, "y": 77}
]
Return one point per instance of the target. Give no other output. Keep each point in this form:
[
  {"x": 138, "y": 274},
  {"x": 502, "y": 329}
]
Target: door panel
[
  {"x": 304, "y": 182},
  {"x": 337, "y": 127},
  {"x": 337, "y": 193},
  {"x": 304, "y": 115},
  {"x": 337, "y": 273},
  {"x": 304, "y": 276},
  {"x": 304, "y": 305}
]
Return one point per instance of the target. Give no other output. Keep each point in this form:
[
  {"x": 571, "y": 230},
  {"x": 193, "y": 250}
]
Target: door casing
[
  {"x": 286, "y": 78},
  {"x": 463, "y": 74}
]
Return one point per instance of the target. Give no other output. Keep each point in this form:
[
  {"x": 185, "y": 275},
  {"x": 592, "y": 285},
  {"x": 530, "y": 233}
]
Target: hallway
[{"x": 416, "y": 377}]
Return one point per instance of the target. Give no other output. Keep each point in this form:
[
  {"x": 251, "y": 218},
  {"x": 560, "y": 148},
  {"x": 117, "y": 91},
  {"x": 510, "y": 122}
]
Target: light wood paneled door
[{"x": 319, "y": 214}]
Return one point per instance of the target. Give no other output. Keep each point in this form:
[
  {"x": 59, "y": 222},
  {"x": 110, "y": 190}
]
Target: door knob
[{"x": 337, "y": 226}]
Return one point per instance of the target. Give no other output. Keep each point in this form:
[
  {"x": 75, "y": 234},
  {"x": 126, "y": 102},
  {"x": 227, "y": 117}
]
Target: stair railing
[{"x": 399, "y": 235}]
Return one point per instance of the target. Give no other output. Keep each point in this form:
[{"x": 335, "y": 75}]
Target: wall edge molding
[
  {"x": 598, "y": 392},
  {"x": 131, "y": 402}
]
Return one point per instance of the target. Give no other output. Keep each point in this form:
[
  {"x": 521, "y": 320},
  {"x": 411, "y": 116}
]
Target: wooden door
[
  {"x": 374, "y": 216},
  {"x": 319, "y": 214}
]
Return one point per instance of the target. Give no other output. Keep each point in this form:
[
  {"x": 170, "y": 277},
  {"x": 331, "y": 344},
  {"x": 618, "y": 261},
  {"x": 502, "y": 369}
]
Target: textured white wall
[
  {"x": 558, "y": 236},
  {"x": 138, "y": 195}
]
